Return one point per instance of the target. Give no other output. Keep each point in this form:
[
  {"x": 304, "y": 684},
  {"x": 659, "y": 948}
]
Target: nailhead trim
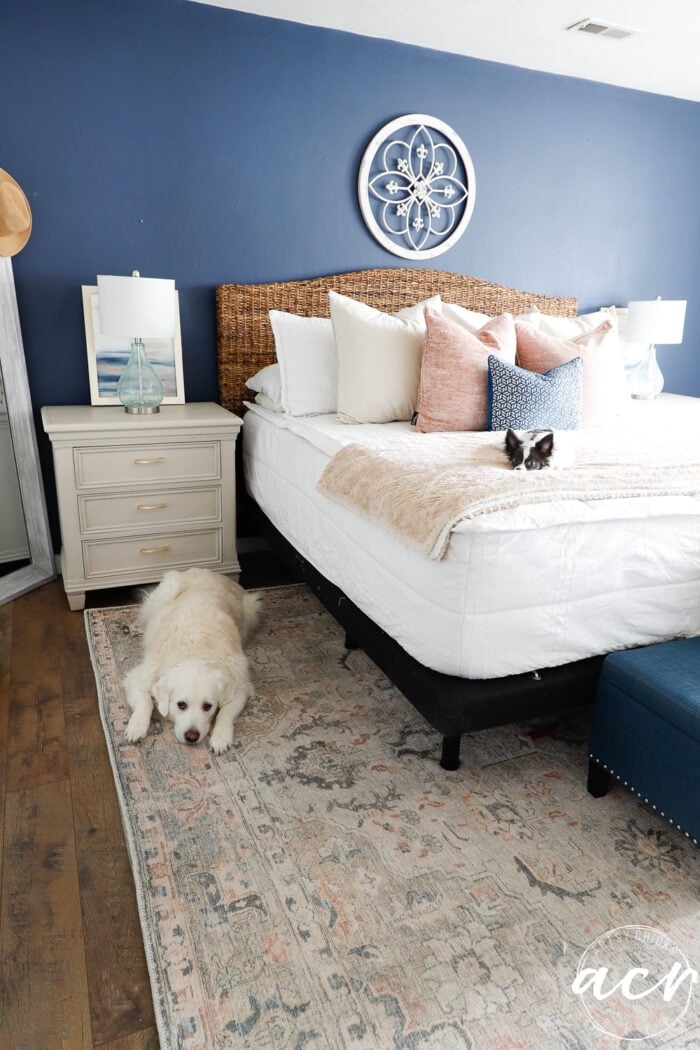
[{"x": 639, "y": 795}]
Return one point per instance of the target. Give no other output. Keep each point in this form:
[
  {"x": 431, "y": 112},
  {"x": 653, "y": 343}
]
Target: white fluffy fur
[{"x": 195, "y": 624}]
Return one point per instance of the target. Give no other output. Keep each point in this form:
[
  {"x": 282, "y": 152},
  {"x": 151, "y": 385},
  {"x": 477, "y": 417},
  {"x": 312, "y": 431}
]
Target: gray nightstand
[{"x": 138, "y": 495}]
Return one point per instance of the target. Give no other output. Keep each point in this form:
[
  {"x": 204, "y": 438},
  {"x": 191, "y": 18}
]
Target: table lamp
[
  {"x": 140, "y": 308},
  {"x": 652, "y": 321}
]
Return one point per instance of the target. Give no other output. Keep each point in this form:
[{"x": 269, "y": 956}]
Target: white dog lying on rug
[{"x": 195, "y": 624}]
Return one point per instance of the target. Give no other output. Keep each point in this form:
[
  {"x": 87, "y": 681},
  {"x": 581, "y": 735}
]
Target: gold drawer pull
[
  {"x": 158, "y": 459},
  {"x": 155, "y": 550},
  {"x": 151, "y": 506}
]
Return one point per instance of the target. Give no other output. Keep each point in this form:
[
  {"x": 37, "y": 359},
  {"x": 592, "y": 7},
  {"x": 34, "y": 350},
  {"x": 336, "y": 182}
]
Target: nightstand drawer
[
  {"x": 157, "y": 550},
  {"x": 133, "y": 465},
  {"x": 147, "y": 508}
]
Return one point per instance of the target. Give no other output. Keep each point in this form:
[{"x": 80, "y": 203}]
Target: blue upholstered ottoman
[{"x": 646, "y": 729}]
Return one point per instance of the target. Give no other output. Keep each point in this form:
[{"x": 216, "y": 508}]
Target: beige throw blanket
[{"x": 420, "y": 486}]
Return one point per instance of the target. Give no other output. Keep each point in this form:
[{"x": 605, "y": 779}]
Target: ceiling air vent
[{"x": 595, "y": 27}]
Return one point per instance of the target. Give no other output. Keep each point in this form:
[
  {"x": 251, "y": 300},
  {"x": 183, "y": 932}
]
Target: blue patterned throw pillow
[{"x": 528, "y": 400}]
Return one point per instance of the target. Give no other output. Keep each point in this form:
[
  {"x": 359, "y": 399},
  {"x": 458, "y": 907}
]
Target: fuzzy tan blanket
[{"x": 420, "y": 486}]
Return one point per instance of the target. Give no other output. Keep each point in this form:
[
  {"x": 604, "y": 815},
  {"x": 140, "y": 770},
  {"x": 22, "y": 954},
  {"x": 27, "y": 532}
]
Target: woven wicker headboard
[{"x": 245, "y": 342}]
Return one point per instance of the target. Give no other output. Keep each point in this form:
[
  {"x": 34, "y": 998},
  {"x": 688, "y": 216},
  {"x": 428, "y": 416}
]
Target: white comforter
[{"x": 519, "y": 589}]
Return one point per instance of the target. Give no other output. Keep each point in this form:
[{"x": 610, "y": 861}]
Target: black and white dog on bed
[{"x": 537, "y": 449}]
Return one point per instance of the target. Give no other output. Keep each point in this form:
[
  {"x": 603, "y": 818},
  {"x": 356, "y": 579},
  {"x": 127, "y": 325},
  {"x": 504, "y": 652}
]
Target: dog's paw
[
  {"x": 220, "y": 741},
  {"x": 137, "y": 727}
]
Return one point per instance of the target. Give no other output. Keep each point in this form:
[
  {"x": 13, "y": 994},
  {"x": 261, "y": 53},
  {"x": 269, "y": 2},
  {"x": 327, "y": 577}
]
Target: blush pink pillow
[
  {"x": 453, "y": 389},
  {"x": 538, "y": 352}
]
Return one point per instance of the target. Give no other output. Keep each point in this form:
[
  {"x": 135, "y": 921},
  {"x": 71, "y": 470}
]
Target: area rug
[{"x": 326, "y": 884}]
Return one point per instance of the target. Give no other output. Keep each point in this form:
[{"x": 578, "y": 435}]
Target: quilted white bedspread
[{"x": 518, "y": 589}]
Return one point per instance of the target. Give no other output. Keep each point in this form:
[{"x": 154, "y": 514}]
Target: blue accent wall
[{"x": 208, "y": 145}]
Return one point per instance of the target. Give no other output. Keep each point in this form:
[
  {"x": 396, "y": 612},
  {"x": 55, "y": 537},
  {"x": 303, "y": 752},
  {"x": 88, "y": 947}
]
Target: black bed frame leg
[
  {"x": 450, "y": 752},
  {"x": 350, "y": 641},
  {"x": 598, "y": 779}
]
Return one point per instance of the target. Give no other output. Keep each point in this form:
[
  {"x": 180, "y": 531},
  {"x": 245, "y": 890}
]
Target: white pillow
[
  {"x": 266, "y": 402},
  {"x": 308, "y": 362},
  {"x": 379, "y": 359},
  {"x": 267, "y": 383},
  {"x": 469, "y": 319},
  {"x": 565, "y": 327}
]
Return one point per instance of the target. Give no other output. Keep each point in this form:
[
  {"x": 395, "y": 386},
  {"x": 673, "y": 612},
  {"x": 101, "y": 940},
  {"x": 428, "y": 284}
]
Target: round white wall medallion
[{"x": 416, "y": 186}]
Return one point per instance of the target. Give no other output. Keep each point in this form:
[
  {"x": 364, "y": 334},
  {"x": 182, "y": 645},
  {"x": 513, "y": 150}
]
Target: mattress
[{"x": 518, "y": 590}]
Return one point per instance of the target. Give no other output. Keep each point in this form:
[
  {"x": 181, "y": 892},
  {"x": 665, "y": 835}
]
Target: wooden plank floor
[{"x": 72, "y": 968}]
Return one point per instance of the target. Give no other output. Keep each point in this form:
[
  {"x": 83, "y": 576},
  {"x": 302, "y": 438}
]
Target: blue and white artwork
[
  {"x": 112, "y": 360},
  {"x": 108, "y": 356}
]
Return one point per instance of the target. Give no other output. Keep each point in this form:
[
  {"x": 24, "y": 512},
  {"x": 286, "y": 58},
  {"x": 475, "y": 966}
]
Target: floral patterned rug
[{"x": 325, "y": 884}]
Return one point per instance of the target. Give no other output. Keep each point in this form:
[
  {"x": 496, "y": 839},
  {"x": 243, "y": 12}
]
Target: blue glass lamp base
[
  {"x": 645, "y": 379},
  {"x": 139, "y": 388}
]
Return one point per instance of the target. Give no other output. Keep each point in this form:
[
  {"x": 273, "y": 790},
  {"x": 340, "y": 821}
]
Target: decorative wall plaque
[{"x": 416, "y": 186}]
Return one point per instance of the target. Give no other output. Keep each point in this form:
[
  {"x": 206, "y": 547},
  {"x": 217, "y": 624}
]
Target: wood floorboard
[
  {"x": 145, "y": 1040},
  {"x": 37, "y": 755},
  {"x": 118, "y": 983},
  {"x": 72, "y": 969},
  {"x": 6, "y": 612},
  {"x": 44, "y": 985}
]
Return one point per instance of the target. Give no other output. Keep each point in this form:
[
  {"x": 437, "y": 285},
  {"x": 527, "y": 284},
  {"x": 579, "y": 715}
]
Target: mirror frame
[{"x": 21, "y": 420}]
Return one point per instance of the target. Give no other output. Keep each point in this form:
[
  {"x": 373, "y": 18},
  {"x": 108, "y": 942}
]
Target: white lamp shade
[
  {"x": 655, "y": 321},
  {"x": 137, "y": 307}
]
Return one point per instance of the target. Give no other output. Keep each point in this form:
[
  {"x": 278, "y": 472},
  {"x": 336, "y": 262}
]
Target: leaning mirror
[{"x": 26, "y": 559}]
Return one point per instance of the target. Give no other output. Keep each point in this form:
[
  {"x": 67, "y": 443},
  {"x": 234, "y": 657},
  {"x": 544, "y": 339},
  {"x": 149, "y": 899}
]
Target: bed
[{"x": 513, "y": 622}]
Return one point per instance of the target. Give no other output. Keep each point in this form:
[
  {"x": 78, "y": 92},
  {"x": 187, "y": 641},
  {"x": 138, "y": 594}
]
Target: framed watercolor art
[{"x": 107, "y": 356}]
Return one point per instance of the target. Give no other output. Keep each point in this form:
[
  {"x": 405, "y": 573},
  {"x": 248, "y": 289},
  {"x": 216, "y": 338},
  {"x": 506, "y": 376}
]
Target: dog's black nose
[{"x": 192, "y": 736}]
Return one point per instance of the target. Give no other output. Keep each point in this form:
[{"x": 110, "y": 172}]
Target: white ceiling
[{"x": 662, "y": 58}]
